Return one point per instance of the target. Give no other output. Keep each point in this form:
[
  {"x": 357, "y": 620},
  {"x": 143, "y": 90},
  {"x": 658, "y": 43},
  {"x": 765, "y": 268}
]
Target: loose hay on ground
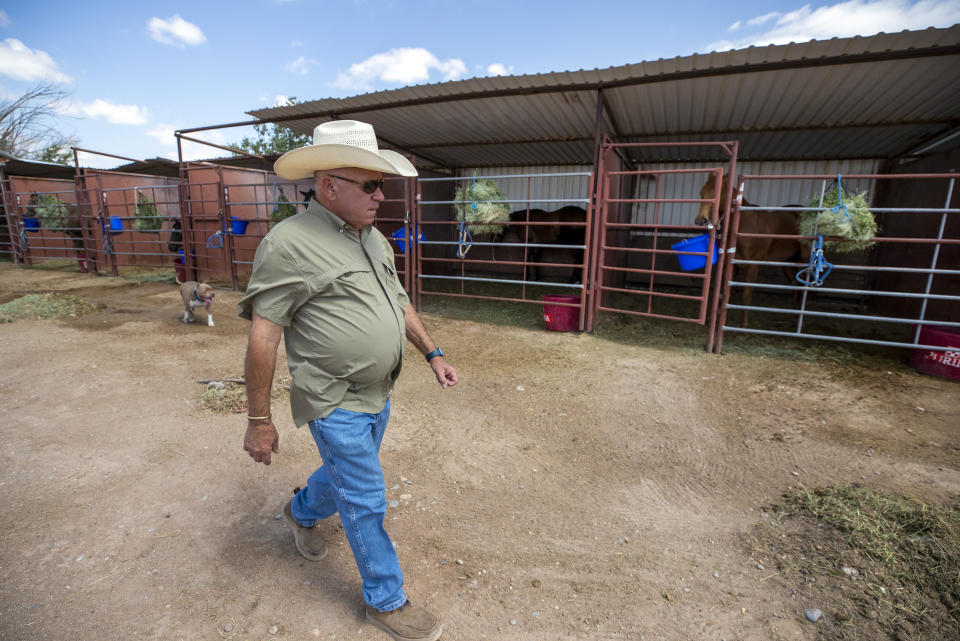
[
  {"x": 231, "y": 398},
  {"x": 902, "y": 560},
  {"x": 48, "y": 305}
]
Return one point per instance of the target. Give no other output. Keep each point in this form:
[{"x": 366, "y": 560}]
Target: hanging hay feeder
[
  {"x": 146, "y": 218},
  {"x": 283, "y": 209},
  {"x": 853, "y": 226},
  {"x": 483, "y": 218},
  {"x": 54, "y": 213}
]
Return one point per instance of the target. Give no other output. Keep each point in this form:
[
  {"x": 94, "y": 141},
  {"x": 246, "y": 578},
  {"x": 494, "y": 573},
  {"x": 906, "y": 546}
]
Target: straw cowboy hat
[{"x": 341, "y": 143}]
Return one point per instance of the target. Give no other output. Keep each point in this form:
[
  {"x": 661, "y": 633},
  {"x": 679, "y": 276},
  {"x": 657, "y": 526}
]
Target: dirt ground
[{"x": 572, "y": 486}]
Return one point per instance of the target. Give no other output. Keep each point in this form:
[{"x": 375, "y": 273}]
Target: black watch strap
[{"x": 434, "y": 354}]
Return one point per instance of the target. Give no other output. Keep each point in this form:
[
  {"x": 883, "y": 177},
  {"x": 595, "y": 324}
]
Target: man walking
[{"x": 325, "y": 279}]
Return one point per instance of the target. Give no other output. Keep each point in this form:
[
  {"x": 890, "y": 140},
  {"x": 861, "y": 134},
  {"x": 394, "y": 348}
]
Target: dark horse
[
  {"x": 541, "y": 232},
  {"x": 58, "y": 216}
]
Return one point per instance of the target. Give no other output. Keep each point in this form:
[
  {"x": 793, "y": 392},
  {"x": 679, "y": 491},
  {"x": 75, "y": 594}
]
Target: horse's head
[{"x": 708, "y": 192}]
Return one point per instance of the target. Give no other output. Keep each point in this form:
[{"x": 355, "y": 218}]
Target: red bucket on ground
[
  {"x": 945, "y": 364},
  {"x": 559, "y": 318}
]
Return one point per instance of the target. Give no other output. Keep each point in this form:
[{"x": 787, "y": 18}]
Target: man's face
[{"x": 347, "y": 199}]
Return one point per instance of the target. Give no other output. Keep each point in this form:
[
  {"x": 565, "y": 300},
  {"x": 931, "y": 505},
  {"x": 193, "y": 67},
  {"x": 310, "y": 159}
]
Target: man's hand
[
  {"x": 261, "y": 439},
  {"x": 446, "y": 375}
]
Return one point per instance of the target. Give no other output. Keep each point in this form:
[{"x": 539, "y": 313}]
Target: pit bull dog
[{"x": 194, "y": 295}]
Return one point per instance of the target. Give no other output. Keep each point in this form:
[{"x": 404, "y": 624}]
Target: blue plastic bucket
[
  {"x": 238, "y": 226},
  {"x": 31, "y": 223},
  {"x": 700, "y": 243},
  {"x": 116, "y": 224},
  {"x": 400, "y": 236}
]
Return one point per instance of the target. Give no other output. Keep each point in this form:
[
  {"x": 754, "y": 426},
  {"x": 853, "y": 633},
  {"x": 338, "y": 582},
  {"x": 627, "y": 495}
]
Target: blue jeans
[{"x": 350, "y": 482}]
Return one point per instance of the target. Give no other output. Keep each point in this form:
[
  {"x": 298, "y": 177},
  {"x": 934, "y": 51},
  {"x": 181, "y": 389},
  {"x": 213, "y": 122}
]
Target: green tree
[
  {"x": 273, "y": 139},
  {"x": 58, "y": 153},
  {"x": 29, "y": 124}
]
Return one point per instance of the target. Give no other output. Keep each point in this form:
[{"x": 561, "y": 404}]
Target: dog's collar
[{"x": 195, "y": 295}]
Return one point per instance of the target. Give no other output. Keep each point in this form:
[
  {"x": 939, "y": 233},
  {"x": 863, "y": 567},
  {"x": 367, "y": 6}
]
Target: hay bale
[
  {"x": 146, "y": 218},
  {"x": 856, "y": 231},
  {"x": 480, "y": 219}
]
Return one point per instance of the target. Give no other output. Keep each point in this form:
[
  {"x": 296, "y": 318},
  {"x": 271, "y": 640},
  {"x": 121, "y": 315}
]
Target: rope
[
  {"x": 24, "y": 242},
  {"x": 819, "y": 268},
  {"x": 466, "y": 240},
  {"x": 840, "y": 204},
  {"x": 215, "y": 241},
  {"x": 107, "y": 242},
  {"x": 816, "y": 273}
]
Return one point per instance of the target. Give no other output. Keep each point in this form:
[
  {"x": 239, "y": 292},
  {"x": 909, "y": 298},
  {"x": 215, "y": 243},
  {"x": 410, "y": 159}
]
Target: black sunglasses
[{"x": 368, "y": 186}]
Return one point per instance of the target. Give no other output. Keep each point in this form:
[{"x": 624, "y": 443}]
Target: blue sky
[{"x": 137, "y": 71}]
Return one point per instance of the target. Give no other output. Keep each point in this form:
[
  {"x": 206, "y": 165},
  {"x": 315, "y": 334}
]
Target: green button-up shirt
[{"x": 341, "y": 305}]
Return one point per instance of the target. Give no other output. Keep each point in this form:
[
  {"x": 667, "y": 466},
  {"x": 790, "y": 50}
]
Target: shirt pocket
[
  {"x": 391, "y": 279},
  {"x": 341, "y": 278}
]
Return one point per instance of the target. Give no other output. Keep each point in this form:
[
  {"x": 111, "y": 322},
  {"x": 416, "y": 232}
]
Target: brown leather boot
[
  {"x": 407, "y": 623},
  {"x": 309, "y": 542}
]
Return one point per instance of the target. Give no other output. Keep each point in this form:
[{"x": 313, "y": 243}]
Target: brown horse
[
  {"x": 781, "y": 223},
  {"x": 545, "y": 234},
  {"x": 58, "y": 216}
]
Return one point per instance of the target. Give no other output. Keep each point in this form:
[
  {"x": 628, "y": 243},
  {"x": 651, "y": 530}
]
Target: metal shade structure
[{"x": 884, "y": 96}]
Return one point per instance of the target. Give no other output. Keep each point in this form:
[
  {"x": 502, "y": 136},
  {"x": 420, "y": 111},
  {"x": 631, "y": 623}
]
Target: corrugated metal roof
[
  {"x": 880, "y": 96},
  {"x": 14, "y": 166}
]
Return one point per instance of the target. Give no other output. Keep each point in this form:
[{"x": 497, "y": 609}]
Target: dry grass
[
  {"x": 49, "y": 305},
  {"x": 916, "y": 542},
  {"x": 231, "y": 398},
  {"x": 880, "y": 565}
]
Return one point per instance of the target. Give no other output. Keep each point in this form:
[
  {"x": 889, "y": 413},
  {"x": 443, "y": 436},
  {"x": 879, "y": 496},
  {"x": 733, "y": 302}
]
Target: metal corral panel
[
  {"x": 880, "y": 96},
  {"x": 561, "y": 189},
  {"x": 767, "y": 193}
]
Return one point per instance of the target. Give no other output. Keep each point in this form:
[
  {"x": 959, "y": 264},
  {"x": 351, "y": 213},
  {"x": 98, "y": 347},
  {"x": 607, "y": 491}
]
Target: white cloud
[
  {"x": 175, "y": 31},
  {"x": 734, "y": 26},
  {"x": 846, "y": 19},
  {"x": 112, "y": 113},
  {"x": 4, "y": 19},
  {"x": 398, "y": 67},
  {"x": 767, "y": 17},
  {"x": 498, "y": 69},
  {"x": 96, "y": 161},
  {"x": 163, "y": 132},
  {"x": 20, "y": 62},
  {"x": 301, "y": 65},
  {"x": 280, "y": 100}
]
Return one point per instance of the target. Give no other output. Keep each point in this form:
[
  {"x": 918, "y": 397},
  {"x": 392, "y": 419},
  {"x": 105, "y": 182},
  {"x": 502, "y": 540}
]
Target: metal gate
[
  {"x": 648, "y": 261},
  {"x": 898, "y": 289},
  {"x": 534, "y": 246}
]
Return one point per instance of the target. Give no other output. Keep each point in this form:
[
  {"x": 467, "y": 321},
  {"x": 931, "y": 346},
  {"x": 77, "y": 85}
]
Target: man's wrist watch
[{"x": 432, "y": 355}]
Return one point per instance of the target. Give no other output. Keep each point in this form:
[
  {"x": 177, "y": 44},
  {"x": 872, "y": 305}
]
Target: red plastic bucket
[
  {"x": 559, "y": 318},
  {"x": 945, "y": 364}
]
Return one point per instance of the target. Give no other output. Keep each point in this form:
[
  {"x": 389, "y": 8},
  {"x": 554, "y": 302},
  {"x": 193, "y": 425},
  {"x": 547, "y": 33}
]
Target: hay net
[
  {"x": 845, "y": 217},
  {"x": 477, "y": 210},
  {"x": 146, "y": 217},
  {"x": 54, "y": 213}
]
